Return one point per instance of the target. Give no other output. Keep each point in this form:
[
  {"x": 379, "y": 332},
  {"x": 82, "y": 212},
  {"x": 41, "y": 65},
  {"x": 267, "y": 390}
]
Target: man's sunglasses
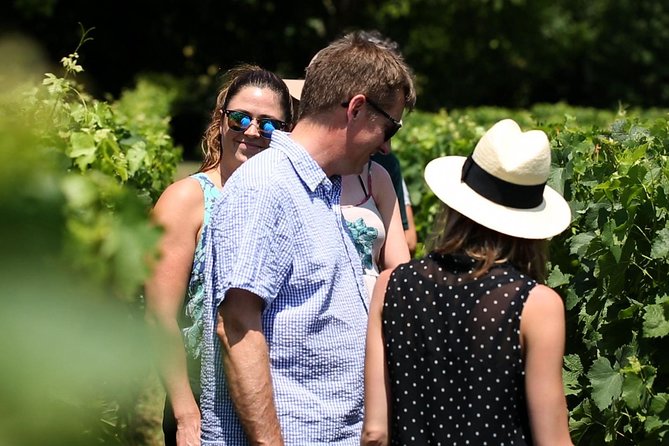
[
  {"x": 239, "y": 121},
  {"x": 389, "y": 132}
]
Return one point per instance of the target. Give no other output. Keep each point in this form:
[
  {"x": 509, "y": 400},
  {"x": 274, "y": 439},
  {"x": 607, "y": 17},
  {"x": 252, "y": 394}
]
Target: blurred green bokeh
[{"x": 72, "y": 355}]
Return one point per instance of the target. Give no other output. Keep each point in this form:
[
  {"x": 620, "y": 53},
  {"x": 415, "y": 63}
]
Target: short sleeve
[{"x": 251, "y": 242}]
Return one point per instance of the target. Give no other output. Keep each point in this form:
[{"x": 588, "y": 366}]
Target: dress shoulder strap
[
  {"x": 208, "y": 186},
  {"x": 367, "y": 190},
  {"x": 210, "y": 191}
]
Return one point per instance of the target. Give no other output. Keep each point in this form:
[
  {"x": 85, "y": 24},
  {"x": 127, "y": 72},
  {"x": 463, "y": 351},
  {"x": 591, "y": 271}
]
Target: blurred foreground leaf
[{"x": 73, "y": 353}]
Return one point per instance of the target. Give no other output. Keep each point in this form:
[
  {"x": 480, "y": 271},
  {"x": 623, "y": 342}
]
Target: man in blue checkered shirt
[{"x": 286, "y": 315}]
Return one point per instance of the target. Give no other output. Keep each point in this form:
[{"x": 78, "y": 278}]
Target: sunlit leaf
[
  {"x": 633, "y": 388},
  {"x": 572, "y": 371},
  {"x": 82, "y": 149},
  {"x": 605, "y": 381},
  {"x": 557, "y": 278},
  {"x": 655, "y": 323},
  {"x": 660, "y": 247},
  {"x": 579, "y": 242}
]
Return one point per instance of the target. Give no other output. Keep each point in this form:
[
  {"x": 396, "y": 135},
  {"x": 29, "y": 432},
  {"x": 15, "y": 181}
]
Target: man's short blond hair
[{"x": 355, "y": 64}]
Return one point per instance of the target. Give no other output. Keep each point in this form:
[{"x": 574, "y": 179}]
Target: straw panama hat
[
  {"x": 294, "y": 87},
  {"x": 502, "y": 185}
]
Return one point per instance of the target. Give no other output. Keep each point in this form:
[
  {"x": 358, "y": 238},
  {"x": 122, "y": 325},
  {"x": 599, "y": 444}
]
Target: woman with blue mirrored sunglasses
[
  {"x": 251, "y": 105},
  {"x": 240, "y": 121}
]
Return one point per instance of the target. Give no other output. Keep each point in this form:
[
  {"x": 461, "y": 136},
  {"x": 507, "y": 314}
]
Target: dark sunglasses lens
[
  {"x": 239, "y": 121},
  {"x": 267, "y": 126},
  {"x": 391, "y": 131}
]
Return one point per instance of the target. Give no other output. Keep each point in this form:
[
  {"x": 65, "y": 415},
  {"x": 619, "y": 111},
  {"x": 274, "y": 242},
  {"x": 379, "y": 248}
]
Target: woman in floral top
[
  {"x": 370, "y": 207},
  {"x": 252, "y": 103}
]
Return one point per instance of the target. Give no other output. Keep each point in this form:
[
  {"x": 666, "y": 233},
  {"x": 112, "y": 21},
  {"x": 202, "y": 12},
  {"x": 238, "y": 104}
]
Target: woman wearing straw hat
[{"x": 449, "y": 360}]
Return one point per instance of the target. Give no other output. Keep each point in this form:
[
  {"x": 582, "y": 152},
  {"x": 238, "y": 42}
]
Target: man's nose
[{"x": 386, "y": 147}]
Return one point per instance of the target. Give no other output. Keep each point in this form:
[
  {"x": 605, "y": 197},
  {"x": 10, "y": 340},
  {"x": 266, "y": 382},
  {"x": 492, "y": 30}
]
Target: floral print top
[{"x": 194, "y": 302}]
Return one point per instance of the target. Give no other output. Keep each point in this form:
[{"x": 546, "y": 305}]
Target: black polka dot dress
[{"x": 453, "y": 352}]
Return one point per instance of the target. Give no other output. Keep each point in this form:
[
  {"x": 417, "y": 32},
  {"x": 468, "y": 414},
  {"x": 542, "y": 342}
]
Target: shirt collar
[{"x": 306, "y": 168}]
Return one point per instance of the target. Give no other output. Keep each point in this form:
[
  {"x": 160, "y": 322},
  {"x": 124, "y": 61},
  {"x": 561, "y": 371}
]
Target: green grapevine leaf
[
  {"x": 82, "y": 149},
  {"x": 632, "y": 390},
  {"x": 80, "y": 193},
  {"x": 581, "y": 421},
  {"x": 136, "y": 156},
  {"x": 127, "y": 245},
  {"x": 572, "y": 371},
  {"x": 579, "y": 242},
  {"x": 630, "y": 311},
  {"x": 557, "y": 179},
  {"x": 557, "y": 278},
  {"x": 655, "y": 324},
  {"x": 605, "y": 381},
  {"x": 572, "y": 299},
  {"x": 660, "y": 247},
  {"x": 653, "y": 423},
  {"x": 659, "y": 403}
]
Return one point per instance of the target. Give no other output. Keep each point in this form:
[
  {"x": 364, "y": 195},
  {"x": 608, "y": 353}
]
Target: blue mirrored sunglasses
[{"x": 239, "y": 121}]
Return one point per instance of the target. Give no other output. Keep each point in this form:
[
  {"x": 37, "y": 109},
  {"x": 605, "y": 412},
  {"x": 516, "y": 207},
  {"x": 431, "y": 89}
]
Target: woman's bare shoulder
[
  {"x": 378, "y": 171},
  {"x": 182, "y": 197},
  {"x": 382, "y": 184},
  {"x": 543, "y": 301}
]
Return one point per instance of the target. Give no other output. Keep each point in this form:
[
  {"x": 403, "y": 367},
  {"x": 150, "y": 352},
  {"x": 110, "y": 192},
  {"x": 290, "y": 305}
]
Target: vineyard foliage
[
  {"x": 611, "y": 266},
  {"x": 119, "y": 158},
  {"x": 78, "y": 177}
]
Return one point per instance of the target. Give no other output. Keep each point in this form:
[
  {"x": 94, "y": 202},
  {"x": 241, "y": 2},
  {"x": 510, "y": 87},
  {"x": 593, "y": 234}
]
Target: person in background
[
  {"x": 465, "y": 345},
  {"x": 252, "y": 103},
  {"x": 410, "y": 228},
  {"x": 370, "y": 207},
  {"x": 287, "y": 307},
  {"x": 295, "y": 89},
  {"x": 391, "y": 163},
  {"x": 371, "y": 211}
]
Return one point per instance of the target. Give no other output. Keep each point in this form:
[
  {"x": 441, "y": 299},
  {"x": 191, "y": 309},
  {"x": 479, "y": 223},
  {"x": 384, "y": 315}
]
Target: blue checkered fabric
[{"x": 278, "y": 232}]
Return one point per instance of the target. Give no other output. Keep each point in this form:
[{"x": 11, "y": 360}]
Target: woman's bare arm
[
  {"x": 180, "y": 211},
  {"x": 395, "y": 249},
  {"x": 542, "y": 331},
  {"x": 375, "y": 428}
]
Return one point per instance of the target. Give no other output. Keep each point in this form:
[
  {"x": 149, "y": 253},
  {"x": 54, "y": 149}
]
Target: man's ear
[{"x": 355, "y": 105}]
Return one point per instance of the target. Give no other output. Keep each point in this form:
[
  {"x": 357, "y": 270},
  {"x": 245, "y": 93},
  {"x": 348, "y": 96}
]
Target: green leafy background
[
  {"x": 610, "y": 266},
  {"x": 78, "y": 177}
]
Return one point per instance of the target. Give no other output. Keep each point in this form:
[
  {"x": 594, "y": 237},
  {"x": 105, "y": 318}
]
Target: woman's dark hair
[
  {"x": 235, "y": 79},
  {"x": 456, "y": 233}
]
